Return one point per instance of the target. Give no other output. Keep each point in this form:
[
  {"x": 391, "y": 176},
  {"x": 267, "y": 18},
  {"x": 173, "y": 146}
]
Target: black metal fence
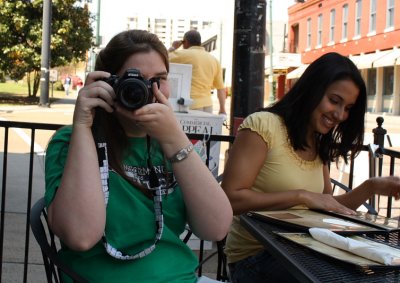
[
  {"x": 33, "y": 127},
  {"x": 21, "y": 248},
  {"x": 386, "y": 162}
]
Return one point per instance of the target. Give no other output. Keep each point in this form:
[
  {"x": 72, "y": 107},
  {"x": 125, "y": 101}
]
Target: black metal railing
[
  {"x": 34, "y": 128},
  {"x": 385, "y": 161}
]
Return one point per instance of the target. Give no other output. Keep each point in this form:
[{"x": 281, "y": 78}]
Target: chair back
[
  {"x": 337, "y": 184},
  {"x": 49, "y": 243},
  {"x": 222, "y": 269}
]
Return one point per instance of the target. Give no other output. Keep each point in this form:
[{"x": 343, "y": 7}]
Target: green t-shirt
[{"x": 130, "y": 224}]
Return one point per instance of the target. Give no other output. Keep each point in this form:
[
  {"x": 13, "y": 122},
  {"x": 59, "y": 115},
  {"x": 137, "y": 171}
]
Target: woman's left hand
[{"x": 155, "y": 119}]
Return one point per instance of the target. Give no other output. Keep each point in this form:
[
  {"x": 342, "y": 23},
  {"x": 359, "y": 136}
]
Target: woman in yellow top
[{"x": 289, "y": 146}]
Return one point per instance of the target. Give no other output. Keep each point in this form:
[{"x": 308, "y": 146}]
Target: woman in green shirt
[{"x": 121, "y": 221}]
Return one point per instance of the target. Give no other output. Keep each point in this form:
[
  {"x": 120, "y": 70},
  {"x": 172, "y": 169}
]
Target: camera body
[{"x": 132, "y": 90}]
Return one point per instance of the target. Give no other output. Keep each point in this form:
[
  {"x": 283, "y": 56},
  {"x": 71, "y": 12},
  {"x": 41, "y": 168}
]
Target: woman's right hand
[
  {"x": 324, "y": 202},
  {"x": 77, "y": 214},
  {"x": 95, "y": 93}
]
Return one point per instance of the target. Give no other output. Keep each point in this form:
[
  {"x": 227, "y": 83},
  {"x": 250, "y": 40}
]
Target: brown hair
[
  {"x": 125, "y": 44},
  {"x": 111, "y": 59}
]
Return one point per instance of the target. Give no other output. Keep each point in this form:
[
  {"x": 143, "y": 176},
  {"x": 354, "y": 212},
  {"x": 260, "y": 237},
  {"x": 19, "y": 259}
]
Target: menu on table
[{"x": 303, "y": 219}]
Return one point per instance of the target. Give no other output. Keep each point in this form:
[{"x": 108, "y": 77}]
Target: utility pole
[
  {"x": 98, "y": 23},
  {"x": 271, "y": 55},
  {"x": 248, "y": 60},
  {"x": 96, "y": 43},
  {"x": 45, "y": 55}
]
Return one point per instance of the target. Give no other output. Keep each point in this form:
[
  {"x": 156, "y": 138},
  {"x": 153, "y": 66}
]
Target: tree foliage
[{"x": 21, "y": 36}]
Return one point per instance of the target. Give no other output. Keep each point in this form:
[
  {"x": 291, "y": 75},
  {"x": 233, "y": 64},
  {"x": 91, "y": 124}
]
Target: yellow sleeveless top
[{"x": 283, "y": 170}]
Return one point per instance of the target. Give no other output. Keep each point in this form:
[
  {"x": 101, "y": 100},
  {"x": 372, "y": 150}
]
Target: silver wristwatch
[{"x": 182, "y": 154}]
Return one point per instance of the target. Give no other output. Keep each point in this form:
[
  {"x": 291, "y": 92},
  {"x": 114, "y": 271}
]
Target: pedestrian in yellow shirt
[{"x": 206, "y": 71}]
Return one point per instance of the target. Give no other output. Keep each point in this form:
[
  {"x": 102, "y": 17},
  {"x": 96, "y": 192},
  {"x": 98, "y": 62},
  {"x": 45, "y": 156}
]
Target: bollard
[
  {"x": 379, "y": 140},
  {"x": 379, "y": 132}
]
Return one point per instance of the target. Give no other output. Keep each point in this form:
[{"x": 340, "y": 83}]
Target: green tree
[{"x": 21, "y": 37}]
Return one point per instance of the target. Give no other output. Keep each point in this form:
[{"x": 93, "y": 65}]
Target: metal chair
[
  {"x": 222, "y": 270},
  {"x": 48, "y": 243},
  {"x": 222, "y": 265},
  {"x": 53, "y": 265}
]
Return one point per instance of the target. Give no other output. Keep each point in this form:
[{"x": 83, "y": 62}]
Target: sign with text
[
  {"x": 199, "y": 122},
  {"x": 53, "y": 75}
]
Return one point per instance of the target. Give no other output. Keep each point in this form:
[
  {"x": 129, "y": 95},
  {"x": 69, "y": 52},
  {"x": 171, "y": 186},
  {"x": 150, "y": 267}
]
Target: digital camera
[{"x": 132, "y": 90}]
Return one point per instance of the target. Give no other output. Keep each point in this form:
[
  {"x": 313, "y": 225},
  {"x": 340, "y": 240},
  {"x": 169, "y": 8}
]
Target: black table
[{"x": 309, "y": 266}]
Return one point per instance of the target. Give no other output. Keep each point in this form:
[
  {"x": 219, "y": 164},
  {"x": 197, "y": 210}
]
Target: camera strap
[{"x": 155, "y": 188}]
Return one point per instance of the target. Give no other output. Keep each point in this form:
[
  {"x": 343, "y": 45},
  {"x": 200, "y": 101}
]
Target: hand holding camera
[{"x": 131, "y": 91}]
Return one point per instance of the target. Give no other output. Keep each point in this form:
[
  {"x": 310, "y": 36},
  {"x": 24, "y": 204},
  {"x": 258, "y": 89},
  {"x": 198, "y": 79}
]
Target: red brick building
[{"x": 367, "y": 31}]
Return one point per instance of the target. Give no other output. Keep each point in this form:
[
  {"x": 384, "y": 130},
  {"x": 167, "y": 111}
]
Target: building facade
[
  {"x": 367, "y": 31},
  {"x": 170, "y": 29}
]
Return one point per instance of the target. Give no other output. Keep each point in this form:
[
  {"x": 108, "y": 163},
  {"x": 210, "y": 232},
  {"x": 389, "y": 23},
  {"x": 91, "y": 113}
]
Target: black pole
[
  {"x": 379, "y": 139},
  {"x": 45, "y": 56},
  {"x": 248, "y": 60}
]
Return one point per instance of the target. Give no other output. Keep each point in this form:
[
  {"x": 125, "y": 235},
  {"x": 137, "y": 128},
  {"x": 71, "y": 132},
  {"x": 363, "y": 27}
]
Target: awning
[
  {"x": 390, "y": 59},
  {"x": 365, "y": 61},
  {"x": 355, "y": 59},
  {"x": 282, "y": 61},
  {"x": 296, "y": 73}
]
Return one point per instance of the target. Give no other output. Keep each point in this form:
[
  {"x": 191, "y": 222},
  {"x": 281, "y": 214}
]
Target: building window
[
  {"x": 345, "y": 20},
  {"x": 207, "y": 24},
  {"x": 132, "y": 23},
  {"x": 357, "y": 26},
  {"x": 388, "y": 79},
  {"x": 372, "y": 16},
  {"x": 390, "y": 14},
  {"x": 319, "y": 31},
  {"x": 371, "y": 82},
  {"x": 309, "y": 33},
  {"x": 332, "y": 26},
  {"x": 194, "y": 24},
  {"x": 294, "y": 45}
]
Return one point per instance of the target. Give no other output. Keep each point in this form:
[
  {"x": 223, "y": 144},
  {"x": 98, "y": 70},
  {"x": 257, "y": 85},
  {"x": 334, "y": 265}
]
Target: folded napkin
[{"x": 359, "y": 248}]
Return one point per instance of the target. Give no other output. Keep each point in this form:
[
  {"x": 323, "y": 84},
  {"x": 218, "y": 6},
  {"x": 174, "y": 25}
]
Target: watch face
[{"x": 181, "y": 155}]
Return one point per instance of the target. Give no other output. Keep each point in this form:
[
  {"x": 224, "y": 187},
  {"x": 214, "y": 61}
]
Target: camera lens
[{"x": 133, "y": 94}]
